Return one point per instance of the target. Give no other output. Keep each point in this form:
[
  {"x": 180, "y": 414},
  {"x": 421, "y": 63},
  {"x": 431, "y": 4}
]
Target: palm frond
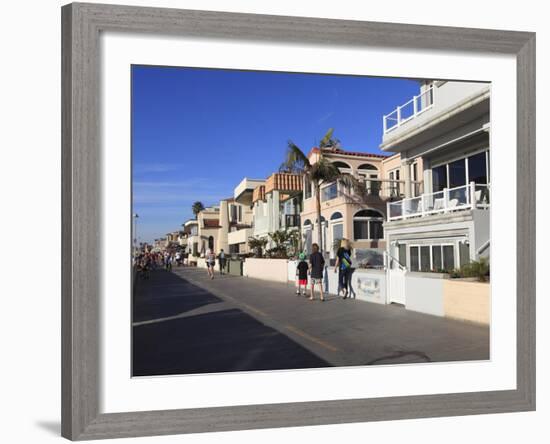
[
  {"x": 295, "y": 161},
  {"x": 328, "y": 141},
  {"x": 324, "y": 171}
]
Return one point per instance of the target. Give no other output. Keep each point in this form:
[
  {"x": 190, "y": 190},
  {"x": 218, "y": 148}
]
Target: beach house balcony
[
  {"x": 409, "y": 110},
  {"x": 466, "y": 197},
  {"x": 440, "y": 110}
]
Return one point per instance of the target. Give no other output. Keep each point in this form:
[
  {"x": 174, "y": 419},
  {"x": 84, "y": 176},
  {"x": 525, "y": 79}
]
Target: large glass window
[
  {"x": 376, "y": 231},
  {"x": 477, "y": 168},
  {"x": 439, "y": 178},
  {"x": 436, "y": 258},
  {"x": 337, "y": 232},
  {"x": 307, "y": 188},
  {"x": 432, "y": 258},
  {"x": 457, "y": 173},
  {"x": 367, "y": 225},
  {"x": 425, "y": 258},
  {"x": 464, "y": 250},
  {"x": 415, "y": 263},
  {"x": 361, "y": 229},
  {"x": 402, "y": 254},
  {"x": 329, "y": 192},
  {"x": 448, "y": 257}
]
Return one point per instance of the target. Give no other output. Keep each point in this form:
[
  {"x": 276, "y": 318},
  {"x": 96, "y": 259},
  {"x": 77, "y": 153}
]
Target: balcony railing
[
  {"x": 387, "y": 189},
  {"x": 409, "y": 110},
  {"x": 464, "y": 197},
  {"x": 291, "y": 220}
]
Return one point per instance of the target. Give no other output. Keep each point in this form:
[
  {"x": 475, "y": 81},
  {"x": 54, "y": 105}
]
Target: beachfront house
[
  {"x": 447, "y": 126},
  {"x": 348, "y": 214},
  {"x": 277, "y": 205}
]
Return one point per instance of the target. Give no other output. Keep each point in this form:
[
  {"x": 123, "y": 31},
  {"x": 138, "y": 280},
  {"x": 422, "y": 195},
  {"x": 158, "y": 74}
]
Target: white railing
[
  {"x": 464, "y": 197},
  {"x": 409, "y": 110}
]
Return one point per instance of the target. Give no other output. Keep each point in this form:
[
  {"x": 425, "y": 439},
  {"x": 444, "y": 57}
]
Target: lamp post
[{"x": 136, "y": 216}]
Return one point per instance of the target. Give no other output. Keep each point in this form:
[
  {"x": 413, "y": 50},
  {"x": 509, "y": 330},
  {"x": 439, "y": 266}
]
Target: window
[
  {"x": 337, "y": 232},
  {"x": 464, "y": 250},
  {"x": 329, "y": 192},
  {"x": 414, "y": 171},
  {"x": 402, "y": 254},
  {"x": 425, "y": 264},
  {"x": 474, "y": 168},
  {"x": 342, "y": 167},
  {"x": 432, "y": 257},
  {"x": 307, "y": 188},
  {"x": 367, "y": 225},
  {"x": 336, "y": 215},
  {"x": 439, "y": 178},
  {"x": 477, "y": 168},
  {"x": 415, "y": 260},
  {"x": 457, "y": 173}
]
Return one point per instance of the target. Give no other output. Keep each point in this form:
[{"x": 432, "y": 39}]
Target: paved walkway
[{"x": 187, "y": 323}]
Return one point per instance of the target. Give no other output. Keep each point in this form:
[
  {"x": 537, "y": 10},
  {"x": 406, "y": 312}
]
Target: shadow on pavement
[
  {"x": 226, "y": 340},
  {"x": 166, "y": 294}
]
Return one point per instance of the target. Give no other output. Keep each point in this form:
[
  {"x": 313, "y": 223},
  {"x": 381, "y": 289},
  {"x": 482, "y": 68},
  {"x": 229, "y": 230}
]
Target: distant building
[{"x": 277, "y": 204}]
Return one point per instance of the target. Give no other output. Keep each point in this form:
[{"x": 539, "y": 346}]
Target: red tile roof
[{"x": 348, "y": 153}]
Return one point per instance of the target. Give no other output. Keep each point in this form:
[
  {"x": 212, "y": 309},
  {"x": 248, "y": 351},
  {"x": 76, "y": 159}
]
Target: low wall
[
  {"x": 424, "y": 292},
  {"x": 467, "y": 301},
  {"x": 201, "y": 262},
  {"x": 368, "y": 285},
  {"x": 291, "y": 268},
  {"x": 267, "y": 269}
]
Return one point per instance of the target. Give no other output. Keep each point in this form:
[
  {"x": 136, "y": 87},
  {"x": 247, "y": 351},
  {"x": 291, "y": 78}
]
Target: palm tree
[
  {"x": 318, "y": 173},
  {"x": 197, "y": 207}
]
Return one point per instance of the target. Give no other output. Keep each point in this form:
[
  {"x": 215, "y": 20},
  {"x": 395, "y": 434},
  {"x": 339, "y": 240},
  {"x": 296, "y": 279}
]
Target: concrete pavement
[{"x": 183, "y": 322}]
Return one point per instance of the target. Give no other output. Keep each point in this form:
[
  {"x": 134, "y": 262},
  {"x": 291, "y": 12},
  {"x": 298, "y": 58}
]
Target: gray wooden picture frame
[{"x": 81, "y": 172}]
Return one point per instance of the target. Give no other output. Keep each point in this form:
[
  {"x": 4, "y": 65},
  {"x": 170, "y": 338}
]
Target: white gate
[{"x": 396, "y": 284}]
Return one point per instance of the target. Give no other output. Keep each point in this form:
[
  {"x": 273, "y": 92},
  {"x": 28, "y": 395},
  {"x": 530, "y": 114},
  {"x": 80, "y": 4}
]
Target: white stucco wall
[
  {"x": 424, "y": 293},
  {"x": 267, "y": 269}
]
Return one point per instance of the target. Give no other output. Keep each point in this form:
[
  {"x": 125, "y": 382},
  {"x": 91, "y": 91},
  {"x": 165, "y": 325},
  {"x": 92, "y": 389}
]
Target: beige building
[
  {"x": 235, "y": 226},
  {"x": 345, "y": 213},
  {"x": 207, "y": 227},
  {"x": 277, "y": 204}
]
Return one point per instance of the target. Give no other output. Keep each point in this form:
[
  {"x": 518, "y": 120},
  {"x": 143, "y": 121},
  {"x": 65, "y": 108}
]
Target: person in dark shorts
[
  {"x": 317, "y": 268},
  {"x": 343, "y": 267},
  {"x": 301, "y": 273}
]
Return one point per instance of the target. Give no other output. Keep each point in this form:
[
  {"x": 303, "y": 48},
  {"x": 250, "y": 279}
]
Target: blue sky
[{"x": 197, "y": 132}]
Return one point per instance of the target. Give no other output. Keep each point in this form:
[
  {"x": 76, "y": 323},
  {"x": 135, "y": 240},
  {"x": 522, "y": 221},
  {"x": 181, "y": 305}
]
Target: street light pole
[{"x": 136, "y": 216}]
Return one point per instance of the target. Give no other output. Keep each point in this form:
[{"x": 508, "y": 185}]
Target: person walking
[
  {"x": 222, "y": 261},
  {"x": 210, "y": 262},
  {"x": 301, "y": 274},
  {"x": 343, "y": 267},
  {"x": 317, "y": 268}
]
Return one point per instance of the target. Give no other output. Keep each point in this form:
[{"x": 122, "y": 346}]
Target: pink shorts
[{"x": 302, "y": 282}]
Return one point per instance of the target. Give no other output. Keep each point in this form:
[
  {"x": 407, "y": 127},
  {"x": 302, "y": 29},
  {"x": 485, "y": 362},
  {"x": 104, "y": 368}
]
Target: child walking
[{"x": 301, "y": 274}]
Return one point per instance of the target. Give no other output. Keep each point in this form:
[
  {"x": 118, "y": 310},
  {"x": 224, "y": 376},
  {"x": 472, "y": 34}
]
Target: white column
[{"x": 406, "y": 173}]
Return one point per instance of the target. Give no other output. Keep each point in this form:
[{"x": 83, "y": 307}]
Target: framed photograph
[{"x": 278, "y": 221}]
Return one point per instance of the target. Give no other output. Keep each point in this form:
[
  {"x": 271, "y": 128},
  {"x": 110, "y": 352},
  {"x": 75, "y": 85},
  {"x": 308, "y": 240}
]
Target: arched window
[
  {"x": 367, "y": 166},
  {"x": 211, "y": 242},
  {"x": 369, "y": 173},
  {"x": 307, "y": 222},
  {"x": 342, "y": 166},
  {"x": 368, "y": 225},
  {"x": 336, "y": 215}
]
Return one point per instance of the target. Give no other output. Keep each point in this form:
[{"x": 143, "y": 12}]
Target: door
[{"x": 396, "y": 283}]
